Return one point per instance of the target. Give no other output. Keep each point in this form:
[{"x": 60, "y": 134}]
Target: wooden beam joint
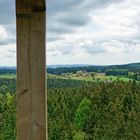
[{"x": 25, "y": 8}]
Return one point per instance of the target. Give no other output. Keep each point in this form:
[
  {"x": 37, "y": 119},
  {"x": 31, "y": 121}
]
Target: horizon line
[{"x": 78, "y": 64}]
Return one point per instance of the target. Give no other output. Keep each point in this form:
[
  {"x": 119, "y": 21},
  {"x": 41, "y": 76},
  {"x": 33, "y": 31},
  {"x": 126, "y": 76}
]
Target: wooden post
[{"x": 31, "y": 69}]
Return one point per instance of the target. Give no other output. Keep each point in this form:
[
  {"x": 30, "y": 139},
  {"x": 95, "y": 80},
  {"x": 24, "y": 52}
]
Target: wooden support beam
[{"x": 31, "y": 69}]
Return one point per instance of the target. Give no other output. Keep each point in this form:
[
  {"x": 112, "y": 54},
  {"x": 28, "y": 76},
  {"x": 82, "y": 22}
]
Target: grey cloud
[
  {"x": 77, "y": 20},
  {"x": 95, "y": 50},
  {"x": 12, "y": 51},
  {"x": 54, "y": 38},
  {"x": 7, "y": 10},
  {"x": 94, "y": 47},
  {"x": 50, "y": 50},
  {"x": 64, "y": 16},
  {"x": 55, "y": 6},
  {"x": 129, "y": 42},
  {"x": 11, "y": 29},
  {"x": 98, "y": 47},
  {"x": 54, "y": 55},
  {"x": 3, "y": 43},
  {"x": 7, "y": 20},
  {"x": 128, "y": 45},
  {"x": 102, "y": 3},
  {"x": 70, "y": 47},
  {"x": 59, "y": 29},
  {"x": 66, "y": 49},
  {"x": 7, "y": 41},
  {"x": 10, "y": 56}
]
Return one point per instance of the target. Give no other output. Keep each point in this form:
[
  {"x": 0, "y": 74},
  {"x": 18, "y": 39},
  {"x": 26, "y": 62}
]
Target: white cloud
[
  {"x": 3, "y": 33},
  {"x": 88, "y": 31},
  {"x": 111, "y": 36},
  {"x": 8, "y": 55}
]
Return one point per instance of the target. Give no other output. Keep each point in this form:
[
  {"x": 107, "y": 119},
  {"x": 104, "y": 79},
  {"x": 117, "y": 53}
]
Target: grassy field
[
  {"x": 98, "y": 77},
  {"x": 101, "y": 78},
  {"x": 113, "y": 78},
  {"x": 8, "y": 76}
]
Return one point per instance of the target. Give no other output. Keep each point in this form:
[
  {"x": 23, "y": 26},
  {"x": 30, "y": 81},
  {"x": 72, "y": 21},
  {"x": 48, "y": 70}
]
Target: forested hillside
[
  {"x": 134, "y": 67},
  {"x": 97, "y": 112},
  {"x": 80, "y": 110}
]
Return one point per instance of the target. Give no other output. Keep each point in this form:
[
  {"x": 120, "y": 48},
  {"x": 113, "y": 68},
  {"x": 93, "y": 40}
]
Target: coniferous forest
[
  {"x": 80, "y": 56},
  {"x": 79, "y": 109}
]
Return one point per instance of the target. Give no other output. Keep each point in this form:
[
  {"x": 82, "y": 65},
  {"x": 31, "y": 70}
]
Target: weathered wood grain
[{"x": 31, "y": 69}]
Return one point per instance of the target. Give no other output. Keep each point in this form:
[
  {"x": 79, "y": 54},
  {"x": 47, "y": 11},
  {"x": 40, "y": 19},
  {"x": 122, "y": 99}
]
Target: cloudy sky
[{"x": 80, "y": 32}]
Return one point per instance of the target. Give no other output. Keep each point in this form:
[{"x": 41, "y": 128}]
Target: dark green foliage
[
  {"x": 65, "y": 83},
  {"x": 7, "y": 70},
  {"x": 134, "y": 67},
  {"x": 114, "y": 112},
  {"x": 7, "y": 85},
  {"x": 117, "y": 72},
  {"x": 131, "y": 71},
  {"x": 8, "y": 117},
  {"x": 82, "y": 113},
  {"x": 82, "y": 110}
]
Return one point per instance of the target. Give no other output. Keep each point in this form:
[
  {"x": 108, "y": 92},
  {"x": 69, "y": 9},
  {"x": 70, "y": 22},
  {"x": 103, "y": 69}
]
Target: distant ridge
[
  {"x": 6, "y": 67},
  {"x": 67, "y": 65},
  {"x": 131, "y": 67},
  {"x": 77, "y": 65},
  {"x": 86, "y": 65}
]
